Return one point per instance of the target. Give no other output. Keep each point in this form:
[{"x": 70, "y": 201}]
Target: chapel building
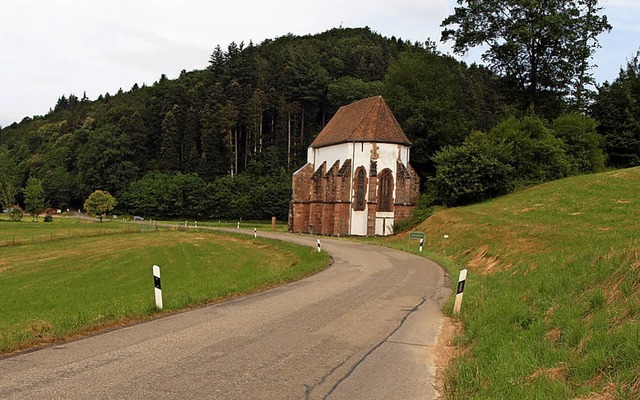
[{"x": 357, "y": 180}]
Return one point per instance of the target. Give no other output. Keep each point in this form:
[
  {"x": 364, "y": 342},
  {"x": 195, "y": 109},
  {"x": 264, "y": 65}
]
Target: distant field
[
  {"x": 281, "y": 226},
  {"x": 552, "y": 303},
  {"x": 28, "y": 232},
  {"x": 59, "y": 289}
]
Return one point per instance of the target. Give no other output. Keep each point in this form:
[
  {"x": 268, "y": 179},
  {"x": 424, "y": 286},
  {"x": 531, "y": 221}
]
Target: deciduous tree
[
  {"x": 516, "y": 153},
  {"x": 617, "y": 108},
  {"x": 34, "y": 197},
  {"x": 543, "y": 46},
  {"x": 99, "y": 203},
  {"x": 8, "y": 178}
]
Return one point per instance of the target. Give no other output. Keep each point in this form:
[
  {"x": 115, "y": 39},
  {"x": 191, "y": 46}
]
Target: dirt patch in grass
[
  {"x": 627, "y": 174},
  {"x": 445, "y": 350},
  {"x": 635, "y": 389},
  {"x": 612, "y": 287},
  {"x": 635, "y": 263},
  {"x": 607, "y": 393},
  {"x": 554, "y": 335},
  {"x": 558, "y": 373},
  {"x": 40, "y": 329},
  {"x": 513, "y": 241},
  {"x": 483, "y": 263}
]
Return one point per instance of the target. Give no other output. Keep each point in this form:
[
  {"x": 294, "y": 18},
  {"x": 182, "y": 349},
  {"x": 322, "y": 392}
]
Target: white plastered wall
[{"x": 361, "y": 154}]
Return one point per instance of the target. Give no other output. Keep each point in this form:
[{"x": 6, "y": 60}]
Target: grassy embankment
[
  {"x": 552, "y": 303},
  {"x": 59, "y": 289}
]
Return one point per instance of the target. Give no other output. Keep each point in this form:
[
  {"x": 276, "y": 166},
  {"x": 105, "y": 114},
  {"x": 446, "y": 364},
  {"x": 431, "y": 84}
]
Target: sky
[{"x": 50, "y": 48}]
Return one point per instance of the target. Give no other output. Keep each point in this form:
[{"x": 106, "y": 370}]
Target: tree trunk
[
  {"x": 584, "y": 57},
  {"x": 235, "y": 156},
  {"x": 246, "y": 147},
  {"x": 231, "y": 134},
  {"x": 273, "y": 131},
  {"x": 289, "y": 141},
  {"x": 302, "y": 126},
  {"x": 260, "y": 135}
]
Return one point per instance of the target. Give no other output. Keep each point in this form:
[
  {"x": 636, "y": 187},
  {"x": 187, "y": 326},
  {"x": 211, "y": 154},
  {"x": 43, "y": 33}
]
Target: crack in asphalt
[
  {"x": 310, "y": 388},
  {"x": 374, "y": 348},
  {"x": 409, "y": 344}
]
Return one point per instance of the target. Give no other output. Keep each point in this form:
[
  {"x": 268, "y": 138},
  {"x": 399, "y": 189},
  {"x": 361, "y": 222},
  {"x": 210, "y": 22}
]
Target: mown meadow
[
  {"x": 55, "y": 290},
  {"x": 281, "y": 226},
  {"x": 552, "y": 301},
  {"x": 28, "y": 232}
]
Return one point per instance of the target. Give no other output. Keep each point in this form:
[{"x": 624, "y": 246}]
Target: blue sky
[{"x": 55, "y": 47}]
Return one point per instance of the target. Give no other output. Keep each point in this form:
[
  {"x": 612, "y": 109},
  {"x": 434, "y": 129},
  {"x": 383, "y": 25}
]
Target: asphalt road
[{"x": 362, "y": 329}]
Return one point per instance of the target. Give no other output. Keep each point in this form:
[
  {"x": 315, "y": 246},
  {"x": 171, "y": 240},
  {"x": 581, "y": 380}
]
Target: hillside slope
[
  {"x": 552, "y": 302},
  {"x": 249, "y": 115}
]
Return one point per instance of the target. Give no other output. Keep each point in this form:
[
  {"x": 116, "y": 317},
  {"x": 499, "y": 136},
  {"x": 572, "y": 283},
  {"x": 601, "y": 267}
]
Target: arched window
[
  {"x": 385, "y": 190},
  {"x": 361, "y": 189}
]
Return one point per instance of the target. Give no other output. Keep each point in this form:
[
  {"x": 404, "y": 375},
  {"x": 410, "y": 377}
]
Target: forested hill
[
  {"x": 222, "y": 142},
  {"x": 250, "y": 114}
]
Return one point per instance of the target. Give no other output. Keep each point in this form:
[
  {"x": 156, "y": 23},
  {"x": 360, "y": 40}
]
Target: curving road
[{"x": 362, "y": 329}]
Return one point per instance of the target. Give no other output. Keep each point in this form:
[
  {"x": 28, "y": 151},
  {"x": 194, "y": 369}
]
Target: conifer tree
[{"x": 169, "y": 156}]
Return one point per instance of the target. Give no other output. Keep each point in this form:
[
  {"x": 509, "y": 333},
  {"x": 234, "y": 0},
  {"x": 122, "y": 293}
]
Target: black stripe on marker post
[
  {"x": 461, "y": 281},
  {"x": 461, "y": 286},
  {"x": 156, "y": 282}
]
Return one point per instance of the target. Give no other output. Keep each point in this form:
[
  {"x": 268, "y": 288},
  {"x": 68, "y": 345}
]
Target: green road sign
[{"x": 416, "y": 235}]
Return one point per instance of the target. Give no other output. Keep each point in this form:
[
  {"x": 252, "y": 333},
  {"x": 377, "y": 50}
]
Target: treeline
[
  {"x": 521, "y": 152},
  {"x": 249, "y": 195},
  {"x": 222, "y": 142},
  {"x": 517, "y": 153}
]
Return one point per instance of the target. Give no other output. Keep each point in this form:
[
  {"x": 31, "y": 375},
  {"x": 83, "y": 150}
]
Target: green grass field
[
  {"x": 63, "y": 288},
  {"x": 281, "y": 226},
  {"x": 552, "y": 303},
  {"x": 27, "y": 232}
]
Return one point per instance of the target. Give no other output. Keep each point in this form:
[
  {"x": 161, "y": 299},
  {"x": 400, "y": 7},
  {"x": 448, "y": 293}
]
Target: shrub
[
  {"x": 516, "y": 153},
  {"x": 470, "y": 173},
  {"x": 48, "y": 217},
  {"x": 583, "y": 143},
  {"x": 15, "y": 214},
  {"x": 531, "y": 149}
]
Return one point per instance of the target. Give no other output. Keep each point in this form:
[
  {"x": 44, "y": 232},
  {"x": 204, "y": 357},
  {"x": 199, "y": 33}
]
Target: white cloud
[{"x": 55, "y": 47}]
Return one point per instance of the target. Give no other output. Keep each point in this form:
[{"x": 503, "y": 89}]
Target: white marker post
[
  {"x": 255, "y": 233},
  {"x": 460, "y": 292},
  {"x": 238, "y": 227},
  {"x": 158, "y": 287},
  {"x": 319, "y": 249},
  {"x": 421, "y": 244}
]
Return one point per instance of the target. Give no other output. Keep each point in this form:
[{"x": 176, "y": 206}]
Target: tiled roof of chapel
[{"x": 367, "y": 120}]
